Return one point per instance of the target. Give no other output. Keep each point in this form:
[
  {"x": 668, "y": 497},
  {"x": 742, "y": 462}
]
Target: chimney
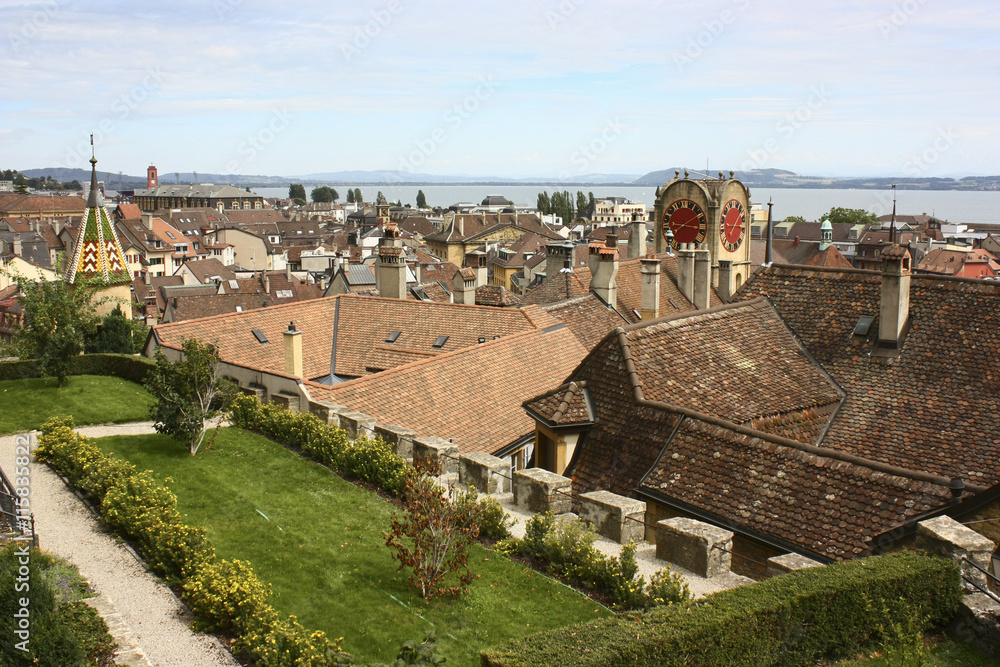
[
  {"x": 650, "y": 267},
  {"x": 288, "y": 271},
  {"x": 147, "y": 277},
  {"x": 390, "y": 272},
  {"x": 594, "y": 256},
  {"x": 417, "y": 272},
  {"x": 476, "y": 260},
  {"x": 147, "y": 220},
  {"x": 460, "y": 225},
  {"x": 685, "y": 270},
  {"x": 338, "y": 260},
  {"x": 637, "y": 238},
  {"x": 894, "y": 304},
  {"x": 17, "y": 244},
  {"x": 725, "y": 279},
  {"x": 464, "y": 286},
  {"x": 555, "y": 258},
  {"x": 293, "y": 351},
  {"x": 602, "y": 281},
  {"x": 768, "y": 252},
  {"x": 267, "y": 283},
  {"x": 702, "y": 278}
]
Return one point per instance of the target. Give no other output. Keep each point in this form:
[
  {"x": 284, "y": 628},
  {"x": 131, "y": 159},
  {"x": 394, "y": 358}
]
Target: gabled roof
[
  {"x": 566, "y": 405},
  {"x": 472, "y": 395}
]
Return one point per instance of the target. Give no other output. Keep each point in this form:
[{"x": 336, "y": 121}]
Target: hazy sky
[{"x": 516, "y": 88}]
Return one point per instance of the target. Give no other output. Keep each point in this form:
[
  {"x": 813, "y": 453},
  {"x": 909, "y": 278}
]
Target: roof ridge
[{"x": 749, "y": 304}]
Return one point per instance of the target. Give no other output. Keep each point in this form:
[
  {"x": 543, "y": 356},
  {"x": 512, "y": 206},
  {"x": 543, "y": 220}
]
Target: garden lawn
[
  {"x": 90, "y": 399},
  {"x": 318, "y": 541}
]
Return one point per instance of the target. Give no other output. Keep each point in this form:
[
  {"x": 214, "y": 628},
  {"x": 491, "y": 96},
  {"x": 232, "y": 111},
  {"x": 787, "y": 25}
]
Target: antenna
[{"x": 892, "y": 221}]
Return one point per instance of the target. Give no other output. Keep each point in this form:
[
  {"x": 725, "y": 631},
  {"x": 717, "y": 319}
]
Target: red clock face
[
  {"x": 686, "y": 220},
  {"x": 732, "y": 227}
]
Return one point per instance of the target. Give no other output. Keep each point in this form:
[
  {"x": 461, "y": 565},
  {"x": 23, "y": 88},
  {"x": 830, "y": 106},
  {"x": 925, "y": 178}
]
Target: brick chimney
[
  {"x": 702, "y": 278},
  {"x": 650, "y": 267},
  {"x": 293, "y": 351},
  {"x": 685, "y": 270},
  {"x": 391, "y": 272},
  {"x": 602, "y": 281},
  {"x": 464, "y": 287},
  {"x": 894, "y": 303},
  {"x": 637, "y": 238}
]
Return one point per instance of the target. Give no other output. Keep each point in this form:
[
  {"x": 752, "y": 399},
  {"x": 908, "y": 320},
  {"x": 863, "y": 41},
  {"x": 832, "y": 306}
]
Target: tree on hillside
[
  {"x": 188, "y": 393},
  {"x": 849, "y": 216},
  {"x": 350, "y": 196},
  {"x": 421, "y": 199},
  {"x": 73, "y": 185},
  {"x": 21, "y": 185},
  {"x": 297, "y": 191},
  {"x": 358, "y": 199},
  {"x": 57, "y": 320}
]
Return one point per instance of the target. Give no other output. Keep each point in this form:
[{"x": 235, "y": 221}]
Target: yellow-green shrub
[{"x": 226, "y": 596}]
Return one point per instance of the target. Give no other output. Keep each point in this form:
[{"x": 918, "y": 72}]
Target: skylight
[
  {"x": 283, "y": 294},
  {"x": 261, "y": 338},
  {"x": 439, "y": 343},
  {"x": 392, "y": 337},
  {"x": 233, "y": 284},
  {"x": 864, "y": 324}
]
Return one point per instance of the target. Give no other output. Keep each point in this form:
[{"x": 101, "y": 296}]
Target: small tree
[
  {"x": 434, "y": 535},
  {"x": 296, "y": 191},
  {"x": 358, "y": 199},
  {"x": 115, "y": 335},
  {"x": 421, "y": 199},
  {"x": 188, "y": 393},
  {"x": 849, "y": 216},
  {"x": 350, "y": 196},
  {"x": 322, "y": 194}
]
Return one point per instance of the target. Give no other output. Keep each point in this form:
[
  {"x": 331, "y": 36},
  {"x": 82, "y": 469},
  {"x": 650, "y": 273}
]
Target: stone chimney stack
[
  {"x": 338, "y": 261},
  {"x": 477, "y": 260},
  {"x": 725, "y": 279},
  {"x": 391, "y": 272},
  {"x": 293, "y": 351},
  {"x": 637, "y": 238},
  {"x": 894, "y": 304},
  {"x": 460, "y": 225},
  {"x": 602, "y": 282},
  {"x": 147, "y": 221},
  {"x": 288, "y": 271},
  {"x": 464, "y": 287},
  {"x": 702, "y": 278},
  {"x": 685, "y": 270},
  {"x": 555, "y": 258},
  {"x": 650, "y": 267},
  {"x": 594, "y": 256}
]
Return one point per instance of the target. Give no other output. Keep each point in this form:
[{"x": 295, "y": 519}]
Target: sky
[{"x": 520, "y": 88}]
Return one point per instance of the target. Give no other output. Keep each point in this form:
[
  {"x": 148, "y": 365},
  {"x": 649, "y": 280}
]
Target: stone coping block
[
  {"x": 694, "y": 545},
  {"x": 615, "y": 517},
  {"x": 778, "y": 565},
  {"x": 328, "y": 413},
  {"x": 397, "y": 437},
  {"x": 357, "y": 425},
  {"x": 254, "y": 390},
  {"x": 487, "y": 473},
  {"x": 287, "y": 401},
  {"x": 538, "y": 490},
  {"x": 946, "y": 537},
  {"x": 435, "y": 454}
]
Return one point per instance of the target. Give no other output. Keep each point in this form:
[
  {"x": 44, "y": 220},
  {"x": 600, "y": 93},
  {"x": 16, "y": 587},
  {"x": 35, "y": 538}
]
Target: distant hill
[{"x": 781, "y": 178}]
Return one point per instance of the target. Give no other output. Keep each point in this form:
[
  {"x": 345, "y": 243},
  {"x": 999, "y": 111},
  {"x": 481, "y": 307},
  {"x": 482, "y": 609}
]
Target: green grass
[
  {"x": 90, "y": 399},
  {"x": 942, "y": 653},
  {"x": 322, "y": 550}
]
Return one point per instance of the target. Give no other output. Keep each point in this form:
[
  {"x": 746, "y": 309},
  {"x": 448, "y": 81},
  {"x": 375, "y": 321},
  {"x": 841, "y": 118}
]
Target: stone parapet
[
  {"x": 435, "y": 455},
  {"x": 397, "y": 437},
  {"x": 488, "y": 474},
  {"x": 357, "y": 425},
  {"x": 786, "y": 563},
  {"x": 328, "y": 413},
  {"x": 287, "y": 401},
  {"x": 615, "y": 517},
  {"x": 946, "y": 537},
  {"x": 694, "y": 545},
  {"x": 538, "y": 490},
  {"x": 255, "y": 390}
]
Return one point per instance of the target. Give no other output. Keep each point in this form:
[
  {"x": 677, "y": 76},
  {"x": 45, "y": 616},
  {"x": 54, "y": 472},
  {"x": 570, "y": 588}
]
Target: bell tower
[
  {"x": 151, "y": 179},
  {"x": 713, "y": 213}
]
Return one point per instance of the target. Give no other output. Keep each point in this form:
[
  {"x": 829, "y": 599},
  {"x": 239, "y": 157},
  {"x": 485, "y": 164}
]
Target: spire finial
[
  {"x": 94, "y": 199},
  {"x": 892, "y": 221}
]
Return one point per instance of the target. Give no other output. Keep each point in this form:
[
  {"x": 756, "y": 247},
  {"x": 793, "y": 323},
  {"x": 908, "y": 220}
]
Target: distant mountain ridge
[{"x": 761, "y": 178}]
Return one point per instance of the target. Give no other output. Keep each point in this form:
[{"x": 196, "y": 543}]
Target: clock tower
[{"x": 710, "y": 212}]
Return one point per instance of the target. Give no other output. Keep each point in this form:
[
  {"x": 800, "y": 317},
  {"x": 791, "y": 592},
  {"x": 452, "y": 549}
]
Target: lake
[{"x": 953, "y": 205}]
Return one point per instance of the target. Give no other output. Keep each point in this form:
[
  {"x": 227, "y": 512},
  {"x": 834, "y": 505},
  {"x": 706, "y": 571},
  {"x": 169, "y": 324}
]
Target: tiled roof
[
  {"x": 823, "y": 505},
  {"x": 183, "y": 308},
  {"x": 566, "y": 405},
  {"x": 497, "y": 296},
  {"x": 707, "y": 361},
  {"x": 934, "y": 408},
  {"x": 362, "y": 325},
  {"x": 209, "y": 267},
  {"x": 256, "y": 216},
  {"x": 472, "y": 395},
  {"x": 587, "y": 317},
  {"x": 787, "y": 251},
  {"x": 34, "y": 204}
]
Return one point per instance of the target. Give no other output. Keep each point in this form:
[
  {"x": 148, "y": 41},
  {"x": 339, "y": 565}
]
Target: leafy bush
[
  {"x": 494, "y": 522},
  {"x": 798, "y": 618},
  {"x": 124, "y": 366},
  {"x": 226, "y": 596}
]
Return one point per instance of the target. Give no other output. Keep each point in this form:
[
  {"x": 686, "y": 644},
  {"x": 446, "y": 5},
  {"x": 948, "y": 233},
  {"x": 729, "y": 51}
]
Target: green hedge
[
  {"x": 124, "y": 366},
  {"x": 794, "y": 619},
  {"x": 366, "y": 459},
  {"x": 225, "y": 596}
]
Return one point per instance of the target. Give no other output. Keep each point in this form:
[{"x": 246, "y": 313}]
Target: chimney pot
[
  {"x": 293, "y": 351},
  {"x": 650, "y": 268}
]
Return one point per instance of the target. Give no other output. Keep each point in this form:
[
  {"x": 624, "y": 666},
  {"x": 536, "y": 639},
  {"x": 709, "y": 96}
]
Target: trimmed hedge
[
  {"x": 224, "y": 596},
  {"x": 366, "y": 459},
  {"x": 124, "y": 366},
  {"x": 794, "y": 619}
]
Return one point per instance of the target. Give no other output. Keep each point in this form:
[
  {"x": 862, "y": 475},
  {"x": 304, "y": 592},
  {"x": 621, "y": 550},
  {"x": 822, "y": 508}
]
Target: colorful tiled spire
[{"x": 98, "y": 252}]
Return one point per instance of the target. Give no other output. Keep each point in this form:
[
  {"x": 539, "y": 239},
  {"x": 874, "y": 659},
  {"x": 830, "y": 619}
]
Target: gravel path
[{"x": 66, "y": 527}]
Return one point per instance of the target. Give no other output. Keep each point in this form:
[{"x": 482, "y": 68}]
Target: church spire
[{"x": 95, "y": 199}]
